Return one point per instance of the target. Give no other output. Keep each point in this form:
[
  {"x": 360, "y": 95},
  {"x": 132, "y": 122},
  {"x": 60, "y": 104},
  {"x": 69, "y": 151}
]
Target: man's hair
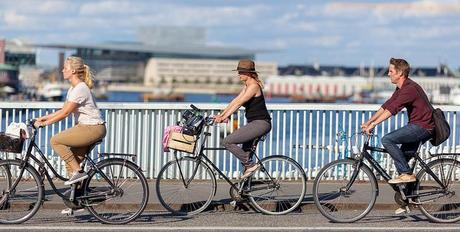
[{"x": 401, "y": 65}]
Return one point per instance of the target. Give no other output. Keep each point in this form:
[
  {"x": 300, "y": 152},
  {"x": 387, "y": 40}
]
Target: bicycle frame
[
  {"x": 374, "y": 164},
  {"x": 201, "y": 156},
  {"x": 44, "y": 172}
]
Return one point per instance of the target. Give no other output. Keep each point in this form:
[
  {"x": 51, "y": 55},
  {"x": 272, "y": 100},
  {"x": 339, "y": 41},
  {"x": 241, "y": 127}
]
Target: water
[{"x": 189, "y": 97}]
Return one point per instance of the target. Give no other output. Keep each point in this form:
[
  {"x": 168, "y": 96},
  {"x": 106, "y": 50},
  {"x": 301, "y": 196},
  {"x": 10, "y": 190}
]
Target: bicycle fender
[{"x": 100, "y": 163}]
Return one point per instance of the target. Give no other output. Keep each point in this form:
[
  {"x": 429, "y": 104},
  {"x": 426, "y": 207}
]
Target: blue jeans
[{"x": 410, "y": 137}]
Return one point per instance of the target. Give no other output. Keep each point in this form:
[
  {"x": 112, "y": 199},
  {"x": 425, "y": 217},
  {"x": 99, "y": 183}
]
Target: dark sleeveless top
[{"x": 256, "y": 109}]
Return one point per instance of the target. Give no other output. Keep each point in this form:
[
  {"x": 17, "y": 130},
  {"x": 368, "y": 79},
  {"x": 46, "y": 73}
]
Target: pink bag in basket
[{"x": 166, "y": 134}]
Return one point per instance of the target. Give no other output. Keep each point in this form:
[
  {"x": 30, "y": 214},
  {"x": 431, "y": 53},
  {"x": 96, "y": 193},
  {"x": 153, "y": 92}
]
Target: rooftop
[
  {"x": 8, "y": 67},
  {"x": 147, "y": 48}
]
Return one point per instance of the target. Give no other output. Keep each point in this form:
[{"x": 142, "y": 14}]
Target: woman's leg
[
  {"x": 80, "y": 137},
  {"x": 245, "y": 135}
]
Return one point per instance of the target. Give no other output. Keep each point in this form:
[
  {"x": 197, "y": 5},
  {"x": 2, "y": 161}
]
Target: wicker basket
[
  {"x": 10, "y": 144},
  {"x": 182, "y": 142}
]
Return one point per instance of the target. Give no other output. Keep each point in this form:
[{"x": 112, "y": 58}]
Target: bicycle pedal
[
  {"x": 407, "y": 209},
  {"x": 233, "y": 204},
  {"x": 71, "y": 212},
  {"x": 67, "y": 212}
]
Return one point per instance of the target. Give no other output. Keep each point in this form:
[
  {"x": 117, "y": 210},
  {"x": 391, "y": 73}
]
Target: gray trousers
[{"x": 246, "y": 135}]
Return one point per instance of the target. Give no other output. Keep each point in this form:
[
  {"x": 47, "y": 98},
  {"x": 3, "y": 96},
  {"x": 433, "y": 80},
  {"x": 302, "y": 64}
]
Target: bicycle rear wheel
[
  {"x": 21, "y": 203},
  {"x": 278, "y": 187},
  {"x": 436, "y": 203},
  {"x": 185, "y": 186},
  {"x": 120, "y": 204},
  {"x": 335, "y": 201}
]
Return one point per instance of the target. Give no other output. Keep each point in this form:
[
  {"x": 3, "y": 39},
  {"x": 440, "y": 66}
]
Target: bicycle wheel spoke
[
  {"x": 279, "y": 187},
  {"x": 437, "y": 203},
  {"x": 21, "y": 203},
  {"x": 185, "y": 200},
  {"x": 123, "y": 203},
  {"x": 338, "y": 203}
]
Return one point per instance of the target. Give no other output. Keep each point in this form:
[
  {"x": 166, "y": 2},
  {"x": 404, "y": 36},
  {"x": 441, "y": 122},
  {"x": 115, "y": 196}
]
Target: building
[
  {"x": 16, "y": 53},
  {"x": 331, "y": 83},
  {"x": 331, "y": 70},
  {"x": 125, "y": 62},
  {"x": 9, "y": 76},
  {"x": 203, "y": 72}
]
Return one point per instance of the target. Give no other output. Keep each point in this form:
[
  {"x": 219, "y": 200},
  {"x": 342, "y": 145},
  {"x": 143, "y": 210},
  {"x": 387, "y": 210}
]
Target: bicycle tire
[
  {"x": 192, "y": 198},
  {"x": 282, "y": 194},
  {"x": 432, "y": 206},
  {"x": 132, "y": 187},
  {"x": 329, "y": 192},
  {"x": 23, "y": 196},
  {"x": 5, "y": 184}
]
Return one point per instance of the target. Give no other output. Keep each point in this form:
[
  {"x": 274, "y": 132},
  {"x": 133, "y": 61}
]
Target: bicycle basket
[
  {"x": 10, "y": 144},
  {"x": 182, "y": 142}
]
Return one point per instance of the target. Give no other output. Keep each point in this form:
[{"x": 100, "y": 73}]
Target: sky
[{"x": 348, "y": 33}]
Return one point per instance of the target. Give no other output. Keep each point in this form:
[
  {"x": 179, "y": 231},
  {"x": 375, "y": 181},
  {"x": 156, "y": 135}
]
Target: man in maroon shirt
[{"x": 411, "y": 96}]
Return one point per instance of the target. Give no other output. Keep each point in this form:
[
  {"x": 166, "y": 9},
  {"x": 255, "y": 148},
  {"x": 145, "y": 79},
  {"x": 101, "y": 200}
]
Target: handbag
[{"x": 441, "y": 130}]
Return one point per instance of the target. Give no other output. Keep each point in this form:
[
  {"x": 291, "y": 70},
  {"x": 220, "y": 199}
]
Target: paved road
[
  {"x": 226, "y": 218},
  {"x": 311, "y": 220}
]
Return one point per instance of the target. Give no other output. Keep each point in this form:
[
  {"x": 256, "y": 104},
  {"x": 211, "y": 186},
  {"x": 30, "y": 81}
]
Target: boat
[
  {"x": 52, "y": 91},
  {"x": 146, "y": 97}
]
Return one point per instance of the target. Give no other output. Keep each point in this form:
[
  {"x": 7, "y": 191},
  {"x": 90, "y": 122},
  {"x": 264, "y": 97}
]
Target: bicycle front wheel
[
  {"x": 344, "y": 194},
  {"x": 185, "y": 186},
  {"x": 21, "y": 203},
  {"x": 435, "y": 202},
  {"x": 125, "y": 200},
  {"x": 5, "y": 184},
  {"x": 278, "y": 187}
]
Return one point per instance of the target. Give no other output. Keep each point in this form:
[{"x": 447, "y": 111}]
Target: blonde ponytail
[{"x": 88, "y": 76}]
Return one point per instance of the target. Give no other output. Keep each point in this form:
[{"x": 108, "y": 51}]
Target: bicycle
[
  {"x": 186, "y": 185},
  {"x": 109, "y": 182},
  {"x": 342, "y": 186}
]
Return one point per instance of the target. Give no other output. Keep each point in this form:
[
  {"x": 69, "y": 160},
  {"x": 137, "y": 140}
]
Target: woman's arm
[
  {"x": 57, "y": 116},
  {"x": 232, "y": 102},
  {"x": 247, "y": 94},
  {"x": 44, "y": 118}
]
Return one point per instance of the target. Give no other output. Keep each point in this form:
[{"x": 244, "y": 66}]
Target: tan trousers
[{"x": 73, "y": 144}]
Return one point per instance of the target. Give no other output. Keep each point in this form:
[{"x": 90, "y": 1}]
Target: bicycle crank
[{"x": 235, "y": 195}]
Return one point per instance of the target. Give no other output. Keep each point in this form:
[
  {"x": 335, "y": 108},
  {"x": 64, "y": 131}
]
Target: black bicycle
[
  {"x": 346, "y": 190},
  {"x": 186, "y": 185},
  {"x": 115, "y": 192}
]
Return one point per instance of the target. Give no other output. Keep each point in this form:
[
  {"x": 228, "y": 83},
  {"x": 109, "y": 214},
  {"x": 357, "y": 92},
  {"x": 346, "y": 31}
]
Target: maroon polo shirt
[{"x": 413, "y": 98}]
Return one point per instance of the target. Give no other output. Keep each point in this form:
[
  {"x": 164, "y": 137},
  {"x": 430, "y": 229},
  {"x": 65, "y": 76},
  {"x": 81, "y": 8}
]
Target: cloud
[
  {"x": 425, "y": 8},
  {"x": 50, "y": 7},
  {"x": 326, "y": 41},
  {"x": 111, "y": 8},
  {"x": 13, "y": 19}
]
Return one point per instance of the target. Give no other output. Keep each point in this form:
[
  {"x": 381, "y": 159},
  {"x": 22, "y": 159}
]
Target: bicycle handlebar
[{"x": 194, "y": 107}]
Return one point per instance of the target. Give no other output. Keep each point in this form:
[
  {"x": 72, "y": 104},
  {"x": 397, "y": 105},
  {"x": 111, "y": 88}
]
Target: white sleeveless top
[{"x": 87, "y": 112}]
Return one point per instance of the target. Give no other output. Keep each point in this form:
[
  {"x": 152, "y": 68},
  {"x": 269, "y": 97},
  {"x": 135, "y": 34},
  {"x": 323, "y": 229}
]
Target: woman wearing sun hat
[{"x": 257, "y": 116}]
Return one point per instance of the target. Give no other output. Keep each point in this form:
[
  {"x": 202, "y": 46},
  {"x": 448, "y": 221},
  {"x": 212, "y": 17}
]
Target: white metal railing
[{"x": 304, "y": 132}]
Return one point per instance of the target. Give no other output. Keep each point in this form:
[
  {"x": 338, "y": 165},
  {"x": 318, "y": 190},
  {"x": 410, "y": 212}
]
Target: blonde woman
[
  {"x": 73, "y": 144},
  {"x": 258, "y": 118}
]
